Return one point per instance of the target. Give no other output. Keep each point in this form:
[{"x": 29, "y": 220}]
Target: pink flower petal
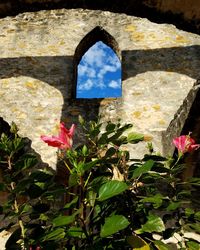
[
  {"x": 64, "y": 138},
  {"x": 185, "y": 143},
  {"x": 52, "y": 141}
]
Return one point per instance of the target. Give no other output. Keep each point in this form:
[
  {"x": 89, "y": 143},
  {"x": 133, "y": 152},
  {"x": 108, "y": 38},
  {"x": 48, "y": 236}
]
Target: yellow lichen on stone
[
  {"x": 137, "y": 114},
  {"x": 135, "y": 35},
  {"x": 156, "y": 107},
  {"x": 55, "y": 129},
  {"x": 39, "y": 109},
  {"x": 145, "y": 108},
  {"x": 22, "y": 116},
  {"x": 14, "y": 109},
  {"x": 30, "y": 85},
  {"x": 137, "y": 93},
  {"x": 181, "y": 39},
  {"x": 148, "y": 137},
  {"x": 138, "y": 36},
  {"x": 162, "y": 122},
  {"x": 62, "y": 42},
  {"x": 22, "y": 45},
  {"x": 130, "y": 28},
  {"x": 52, "y": 48}
]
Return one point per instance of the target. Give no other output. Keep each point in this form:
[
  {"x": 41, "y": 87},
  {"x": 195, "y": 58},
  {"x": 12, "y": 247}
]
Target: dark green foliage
[{"x": 111, "y": 201}]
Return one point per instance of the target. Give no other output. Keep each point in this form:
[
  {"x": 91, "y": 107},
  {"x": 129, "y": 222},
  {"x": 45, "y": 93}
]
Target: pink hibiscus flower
[
  {"x": 63, "y": 140},
  {"x": 185, "y": 143}
]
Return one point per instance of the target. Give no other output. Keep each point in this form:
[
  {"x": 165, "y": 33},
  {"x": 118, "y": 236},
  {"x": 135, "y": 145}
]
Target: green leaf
[
  {"x": 161, "y": 246},
  {"x": 195, "y": 227},
  {"x": 25, "y": 162},
  {"x": 22, "y": 185},
  {"x": 143, "y": 169},
  {"x": 135, "y": 137},
  {"x": 113, "y": 224},
  {"x": 185, "y": 194},
  {"x": 25, "y": 208},
  {"x": 157, "y": 200},
  {"x": 84, "y": 150},
  {"x": 98, "y": 182},
  {"x": 110, "y": 152},
  {"x": 17, "y": 144},
  {"x": 137, "y": 243},
  {"x": 14, "y": 129},
  {"x": 63, "y": 220},
  {"x": 89, "y": 165},
  {"x": 56, "y": 234},
  {"x": 103, "y": 139},
  {"x": 173, "y": 206},
  {"x": 192, "y": 245},
  {"x": 110, "y": 127},
  {"x": 41, "y": 175},
  {"x": 153, "y": 224},
  {"x": 157, "y": 158},
  {"x": 76, "y": 232},
  {"x": 34, "y": 191},
  {"x": 189, "y": 212},
  {"x": 111, "y": 188},
  {"x": 81, "y": 120},
  {"x": 70, "y": 204},
  {"x": 43, "y": 217},
  {"x": 73, "y": 179},
  {"x": 197, "y": 216},
  {"x": 91, "y": 197}
]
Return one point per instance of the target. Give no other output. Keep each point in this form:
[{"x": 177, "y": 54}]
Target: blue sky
[{"x": 99, "y": 73}]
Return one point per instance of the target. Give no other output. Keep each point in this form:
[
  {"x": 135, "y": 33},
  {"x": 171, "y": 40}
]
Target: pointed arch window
[{"x": 97, "y": 66}]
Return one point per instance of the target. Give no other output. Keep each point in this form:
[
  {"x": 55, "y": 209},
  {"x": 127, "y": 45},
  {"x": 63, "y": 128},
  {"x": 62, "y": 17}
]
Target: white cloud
[
  {"x": 115, "y": 84},
  {"x": 93, "y": 67},
  {"x": 95, "y": 56},
  {"x": 85, "y": 70},
  {"x": 86, "y": 85},
  {"x": 105, "y": 69},
  {"x": 100, "y": 84},
  {"x": 114, "y": 61}
]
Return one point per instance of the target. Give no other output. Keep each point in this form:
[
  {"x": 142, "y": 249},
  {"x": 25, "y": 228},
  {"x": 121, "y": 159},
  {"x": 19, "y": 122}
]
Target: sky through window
[{"x": 99, "y": 73}]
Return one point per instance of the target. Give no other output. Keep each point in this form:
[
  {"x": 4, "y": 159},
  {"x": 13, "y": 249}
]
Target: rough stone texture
[
  {"x": 185, "y": 14},
  {"x": 3, "y": 238},
  {"x": 160, "y": 65}
]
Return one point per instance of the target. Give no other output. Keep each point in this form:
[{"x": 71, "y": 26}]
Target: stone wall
[
  {"x": 38, "y": 58},
  {"x": 185, "y": 14}
]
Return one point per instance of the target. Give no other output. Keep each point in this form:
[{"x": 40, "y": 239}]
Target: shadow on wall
[
  {"x": 192, "y": 125},
  {"x": 5, "y": 129},
  {"x": 58, "y": 72},
  {"x": 182, "y": 60},
  {"x": 48, "y": 68}
]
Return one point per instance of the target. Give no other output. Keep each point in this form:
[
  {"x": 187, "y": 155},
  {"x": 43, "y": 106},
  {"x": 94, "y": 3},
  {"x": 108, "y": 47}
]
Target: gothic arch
[{"x": 95, "y": 35}]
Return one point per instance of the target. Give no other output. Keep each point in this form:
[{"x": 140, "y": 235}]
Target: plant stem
[
  {"x": 15, "y": 205},
  {"x": 68, "y": 167}
]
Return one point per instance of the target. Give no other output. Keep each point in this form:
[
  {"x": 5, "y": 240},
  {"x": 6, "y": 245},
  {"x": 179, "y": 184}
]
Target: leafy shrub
[{"x": 111, "y": 200}]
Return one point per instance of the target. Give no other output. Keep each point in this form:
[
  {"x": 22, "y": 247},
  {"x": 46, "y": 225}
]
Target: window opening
[{"x": 99, "y": 73}]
